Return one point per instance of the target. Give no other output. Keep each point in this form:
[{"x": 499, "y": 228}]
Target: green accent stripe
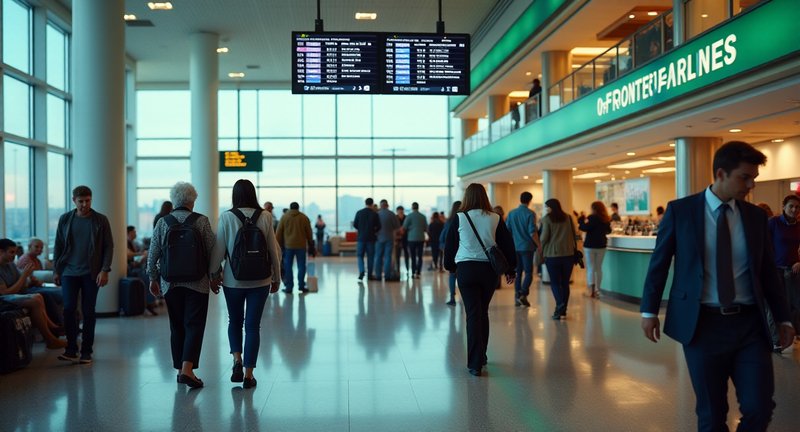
[
  {"x": 763, "y": 35},
  {"x": 510, "y": 43}
]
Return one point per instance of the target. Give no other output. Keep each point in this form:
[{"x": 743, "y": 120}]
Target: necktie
[{"x": 725, "y": 287}]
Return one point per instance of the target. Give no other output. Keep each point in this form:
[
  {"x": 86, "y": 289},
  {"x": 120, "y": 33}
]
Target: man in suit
[{"x": 723, "y": 276}]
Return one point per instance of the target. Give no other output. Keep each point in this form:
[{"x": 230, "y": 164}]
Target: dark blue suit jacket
[{"x": 681, "y": 235}]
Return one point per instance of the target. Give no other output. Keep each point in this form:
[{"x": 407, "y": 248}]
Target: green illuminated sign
[
  {"x": 241, "y": 161},
  {"x": 748, "y": 41}
]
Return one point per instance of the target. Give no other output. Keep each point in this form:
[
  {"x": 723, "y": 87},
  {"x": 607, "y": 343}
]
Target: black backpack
[
  {"x": 184, "y": 257},
  {"x": 250, "y": 258}
]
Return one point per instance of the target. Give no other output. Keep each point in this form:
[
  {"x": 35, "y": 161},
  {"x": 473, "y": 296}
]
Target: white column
[
  {"x": 558, "y": 184},
  {"x": 694, "y": 157},
  {"x": 98, "y": 161},
  {"x": 204, "y": 85}
]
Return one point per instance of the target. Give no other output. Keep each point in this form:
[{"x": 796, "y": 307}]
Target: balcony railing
[
  {"x": 647, "y": 43},
  {"x": 521, "y": 115}
]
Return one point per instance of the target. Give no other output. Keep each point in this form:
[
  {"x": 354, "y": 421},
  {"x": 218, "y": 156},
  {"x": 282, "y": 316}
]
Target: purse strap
[{"x": 477, "y": 236}]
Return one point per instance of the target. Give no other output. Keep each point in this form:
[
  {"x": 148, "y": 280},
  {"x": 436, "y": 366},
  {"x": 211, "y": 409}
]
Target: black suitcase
[
  {"x": 16, "y": 338},
  {"x": 131, "y": 296}
]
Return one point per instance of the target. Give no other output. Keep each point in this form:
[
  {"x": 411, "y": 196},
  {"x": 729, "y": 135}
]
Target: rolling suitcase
[
  {"x": 16, "y": 338},
  {"x": 131, "y": 296}
]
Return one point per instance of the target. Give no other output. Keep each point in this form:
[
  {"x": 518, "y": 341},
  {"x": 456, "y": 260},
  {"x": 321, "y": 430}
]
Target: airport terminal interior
[{"x": 621, "y": 101}]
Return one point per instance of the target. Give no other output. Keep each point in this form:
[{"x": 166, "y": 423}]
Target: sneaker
[
  {"x": 85, "y": 359},
  {"x": 287, "y": 290},
  {"x": 524, "y": 301},
  {"x": 303, "y": 290},
  {"x": 70, "y": 357},
  {"x": 361, "y": 276},
  {"x": 249, "y": 383},
  {"x": 517, "y": 301},
  {"x": 452, "y": 302},
  {"x": 237, "y": 374}
]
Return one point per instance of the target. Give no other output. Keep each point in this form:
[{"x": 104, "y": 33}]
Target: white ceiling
[{"x": 258, "y": 32}]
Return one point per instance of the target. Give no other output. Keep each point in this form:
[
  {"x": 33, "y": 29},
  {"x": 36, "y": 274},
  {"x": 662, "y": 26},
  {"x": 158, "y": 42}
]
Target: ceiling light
[
  {"x": 735, "y": 130},
  {"x": 703, "y": 15},
  {"x": 588, "y": 51},
  {"x": 641, "y": 175},
  {"x": 779, "y": 140},
  {"x": 236, "y": 75},
  {"x": 613, "y": 178},
  {"x": 627, "y": 172},
  {"x": 590, "y": 175},
  {"x": 539, "y": 181},
  {"x": 574, "y": 169},
  {"x": 129, "y": 17},
  {"x": 631, "y": 16},
  {"x": 666, "y": 158},
  {"x": 366, "y": 15},
  {"x": 527, "y": 74},
  {"x": 524, "y": 177},
  {"x": 598, "y": 180},
  {"x": 519, "y": 94},
  {"x": 511, "y": 182},
  {"x": 631, "y": 154},
  {"x": 222, "y": 50},
  {"x": 160, "y": 5},
  {"x": 672, "y": 144},
  {"x": 660, "y": 170},
  {"x": 652, "y": 13},
  {"x": 636, "y": 164}
]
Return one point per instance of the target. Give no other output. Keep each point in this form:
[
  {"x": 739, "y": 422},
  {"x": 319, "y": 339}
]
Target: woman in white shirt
[
  {"x": 477, "y": 280},
  {"x": 249, "y": 290}
]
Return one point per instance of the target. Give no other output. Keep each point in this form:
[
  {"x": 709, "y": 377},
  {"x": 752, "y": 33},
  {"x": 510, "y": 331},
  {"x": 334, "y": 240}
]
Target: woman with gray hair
[{"x": 178, "y": 268}]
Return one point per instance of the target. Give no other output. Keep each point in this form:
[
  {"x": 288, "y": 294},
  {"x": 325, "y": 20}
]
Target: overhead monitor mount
[
  {"x": 319, "y": 26},
  {"x": 440, "y": 23}
]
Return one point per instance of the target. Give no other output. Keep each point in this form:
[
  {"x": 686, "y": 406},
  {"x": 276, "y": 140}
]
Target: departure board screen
[
  {"x": 426, "y": 64},
  {"x": 327, "y": 63}
]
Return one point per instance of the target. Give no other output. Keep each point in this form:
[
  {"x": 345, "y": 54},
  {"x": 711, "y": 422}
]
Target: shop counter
[{"x": 625, "y": 267}]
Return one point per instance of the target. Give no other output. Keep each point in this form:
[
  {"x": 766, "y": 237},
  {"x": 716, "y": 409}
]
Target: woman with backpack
[{"x": 247, "y": 243}]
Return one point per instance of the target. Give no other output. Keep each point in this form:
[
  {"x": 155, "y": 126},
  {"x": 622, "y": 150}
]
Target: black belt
[{"x": 734, "y": 309}]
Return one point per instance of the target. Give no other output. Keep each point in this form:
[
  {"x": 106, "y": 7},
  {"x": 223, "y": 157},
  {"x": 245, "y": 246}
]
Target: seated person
[
  {"x": 53, "y": 297},
  {"x": 12, "y": 282},
  {"x": 137, "y": 263}
]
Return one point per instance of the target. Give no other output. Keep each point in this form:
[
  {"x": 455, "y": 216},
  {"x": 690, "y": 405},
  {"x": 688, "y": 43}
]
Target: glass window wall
[
  {"x": 17, "y": 35},
  {"x": 17, "y": 176}
]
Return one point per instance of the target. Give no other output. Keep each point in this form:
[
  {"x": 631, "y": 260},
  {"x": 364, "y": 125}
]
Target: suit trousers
[
  {"x": 187, "y": 311},
  {"x": 735, "y": 347},
  {"x": 477, "y": 282}
]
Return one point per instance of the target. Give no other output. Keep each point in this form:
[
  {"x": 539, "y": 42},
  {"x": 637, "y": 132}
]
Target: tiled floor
[{"x": 380, "y": 357}]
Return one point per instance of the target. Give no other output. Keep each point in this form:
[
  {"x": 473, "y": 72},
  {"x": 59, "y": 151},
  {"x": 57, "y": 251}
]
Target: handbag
[
  {"x": 496, "y": 258},
  {"x": 578, "y": 256}
]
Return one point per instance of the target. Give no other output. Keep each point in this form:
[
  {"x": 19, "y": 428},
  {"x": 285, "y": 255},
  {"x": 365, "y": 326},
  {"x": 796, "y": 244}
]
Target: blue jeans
[
  {"x": 369, "y": 248},
  {"x": 250, "y": 318},
  {"x": 560, "y": 270},
  {"x": 416, "y": 248},
  {"x": 289, "y": 255},
  {"x": 524, "y": 265},
  {"x": 71, "y": 286},
  {"x": 383, "y": 256}
]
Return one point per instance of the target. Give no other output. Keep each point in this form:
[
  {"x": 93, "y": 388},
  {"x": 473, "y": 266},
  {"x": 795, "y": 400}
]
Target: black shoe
[
  {"x": 303, "y": 290},
  {"x": 85, "y": 359},
  {"x": 189, "y": 381},
  {"x": 556, "y": 316},
  {"x": 452, "y": 302},
  {"x": 475, "y": 372},
  {"x": 237, "y": 375},
  {"x": 70, "y": 357},
  {"x": 361, "y": 276},
  {"x": 287, "y": 290},
  {"x": 524, "y": 301},
  {"x": 373, "y": 278},
  {"x": 249, "y": 382},
  {"x": 517, "y": 301}
]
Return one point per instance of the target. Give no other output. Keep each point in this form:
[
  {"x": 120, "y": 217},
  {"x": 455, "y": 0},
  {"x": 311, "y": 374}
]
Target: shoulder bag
[
  {"x": 578, "y": 253},
  {"x": 495, "y": 256}
]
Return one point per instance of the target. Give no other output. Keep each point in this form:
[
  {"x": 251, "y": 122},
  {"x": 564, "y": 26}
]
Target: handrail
[
  {"x": 647, "y": 43},
  {"x": 522, "y": 115}
]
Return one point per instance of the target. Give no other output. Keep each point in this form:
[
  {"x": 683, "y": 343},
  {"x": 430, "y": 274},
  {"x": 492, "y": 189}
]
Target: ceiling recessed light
[
  {"x": 641, "y": 175},
  {"x": 672, "y": 144},
  {"x": 666, "y": 158},
  {"x": 511, "y": 182},
  {"x": 527, "y": 74},
  {"x": 588, "y": 51},
  {"x": 129, "y": 17},
  {"x": 635, "y": 164},
  {"x": 627, "y": 172},
  {"x": 631, "y": 153},
  {"x": 659, "y": 170},
  {"x": 366, "y": 15},
  {"x": 598, "y": 180},
  {"x": 524, "y": 177},
  {"x": 631, "y": 16},
  {"x": 539, "y": 181},
  {"x": 590, "y": 175},
  {"x": 236, "y": 75},
  {"x": 703, "y": 15},
  {"x": 160, "y": 5},
  {"x": 735, "y": 130},
  {"x": 222, "y": 50},
  {"x": 574, "y": 169},
  {"x": 652, "y": 13},
  {"x": 613, "y": 178},
  {"x": 778, "y": 140},
  {"x": 520, "y": 94}
]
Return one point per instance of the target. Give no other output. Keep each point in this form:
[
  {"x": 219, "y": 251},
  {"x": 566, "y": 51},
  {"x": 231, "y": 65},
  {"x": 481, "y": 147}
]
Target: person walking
[
  {"x": 294, "y": 237},
  {"x": 558, "y": 249},
  {"x": 718, "y": 248},
  {"x": 383, "y": 251},
  {"x": 597, "y": 226},
  {"x": 785, "y": 232},
  {"x": 477, "y": 280},
  {"x": 522, "y": 224},
  {"x": 435, "y": 228},
  {"x": 401, "y": 237},
  {"x": 319, "y": 229},
  {"x": 82, "y": 257},
  {"x": 246, "y": 282},
  {"x": 442, "y": 241},
  {"x": 367, "y": 224},
  {"x": 415, "y": 226},
  {"x": 178, "y": 266}
]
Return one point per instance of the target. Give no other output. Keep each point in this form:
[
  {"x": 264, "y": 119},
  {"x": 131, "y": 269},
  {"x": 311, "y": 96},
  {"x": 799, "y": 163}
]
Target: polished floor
[{"x": 381, "y": 357}]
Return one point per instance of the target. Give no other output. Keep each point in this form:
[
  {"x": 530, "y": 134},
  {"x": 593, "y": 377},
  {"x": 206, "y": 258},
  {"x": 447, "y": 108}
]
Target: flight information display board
[
  {"x": 426, "y": 64},
  {"x": 328, "y": 63},
  {"x": 241, "y": 161}
]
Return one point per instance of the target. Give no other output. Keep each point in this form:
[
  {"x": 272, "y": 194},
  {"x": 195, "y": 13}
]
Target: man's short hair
[
  {"x": 790, "y": 197},
  {"x": 732, "y": 153},
  {"x": 384, "y": 203},
  {"x": 414, "y": 206},
  {"x": 525, "y": 197},
  {"x": 7, "y": 243},
  {"x": 131, "y": 228},
  {"x": 81, "y": 191},
  {"x": 34, "y": 240},
  {"x": 614, "y": 205},
  {"x": 400, "y": 208},
  {"x": 368, "y": 201},
  {"x": 294, "y": 206}
]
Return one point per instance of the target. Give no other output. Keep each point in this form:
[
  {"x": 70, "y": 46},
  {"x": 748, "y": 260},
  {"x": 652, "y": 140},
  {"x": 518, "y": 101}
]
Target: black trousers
[
  {"x": 187, "y": 310},
  {"x": 477, "y": 282}
]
